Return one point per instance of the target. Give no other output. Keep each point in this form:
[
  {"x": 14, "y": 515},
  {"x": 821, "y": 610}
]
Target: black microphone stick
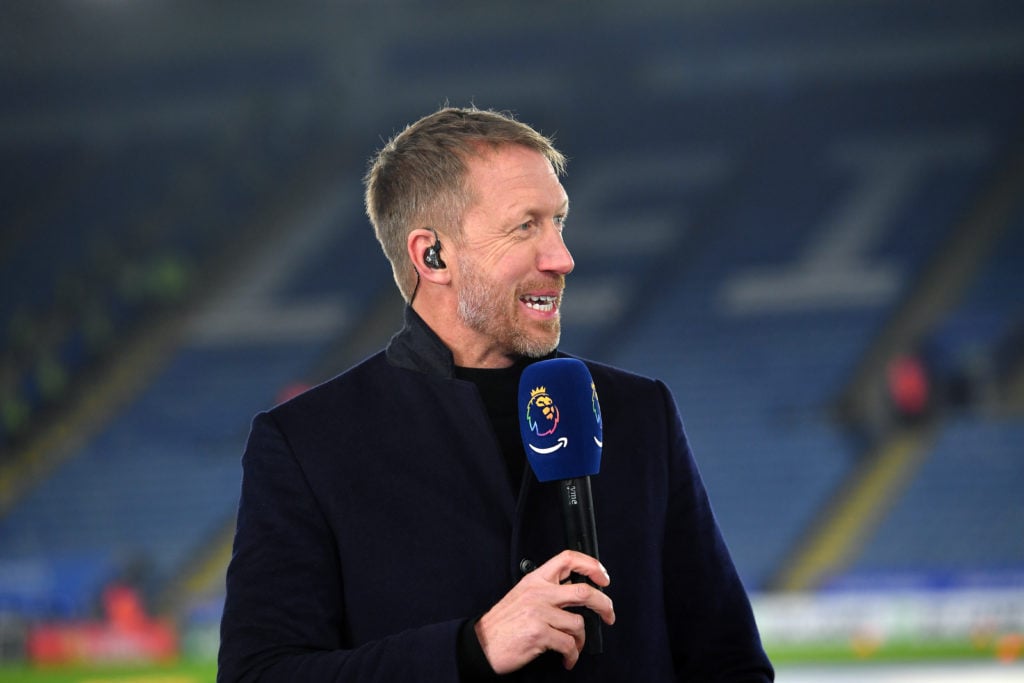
[
  {"x": 560, "y": 422},
  {"x": 581, "y": 535}
]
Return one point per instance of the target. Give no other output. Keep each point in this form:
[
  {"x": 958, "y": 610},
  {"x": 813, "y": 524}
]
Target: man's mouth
[{"x": 543, "y": 303}]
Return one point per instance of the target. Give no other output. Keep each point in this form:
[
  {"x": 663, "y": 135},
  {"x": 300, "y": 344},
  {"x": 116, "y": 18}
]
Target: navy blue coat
[{"x": 376, "y": 517}]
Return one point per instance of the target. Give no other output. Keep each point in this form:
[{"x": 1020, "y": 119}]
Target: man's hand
[{"x": 532, "y": 618}]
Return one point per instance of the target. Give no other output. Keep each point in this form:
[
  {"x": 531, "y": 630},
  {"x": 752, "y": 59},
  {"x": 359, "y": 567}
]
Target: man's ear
[{"x": 425, "y": 252}]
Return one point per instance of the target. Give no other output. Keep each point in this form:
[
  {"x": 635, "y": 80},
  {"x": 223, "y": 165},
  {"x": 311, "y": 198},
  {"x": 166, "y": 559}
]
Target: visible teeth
[{"x": 540, "y": 303}]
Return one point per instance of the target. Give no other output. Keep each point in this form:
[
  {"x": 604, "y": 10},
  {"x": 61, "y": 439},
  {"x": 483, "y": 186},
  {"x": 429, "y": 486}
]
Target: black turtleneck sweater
[{"x": 499, "y": 389}]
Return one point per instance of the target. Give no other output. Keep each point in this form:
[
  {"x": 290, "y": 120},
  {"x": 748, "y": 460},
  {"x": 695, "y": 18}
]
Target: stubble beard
[{"x": 485, "y": 308}]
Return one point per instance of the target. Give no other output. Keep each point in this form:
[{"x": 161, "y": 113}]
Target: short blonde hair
[{"x": 418, "y": 179}]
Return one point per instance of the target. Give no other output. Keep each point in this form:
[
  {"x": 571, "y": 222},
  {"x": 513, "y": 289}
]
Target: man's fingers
[
  {"x": 585, "y": 595},
  {"x": 563, "y": 565},
  {"x": 568, "y": 638},
  {"x": 532, "y": 617},
  {"x": 570, "y": 623},
  {"x": 567, "y": 645}
]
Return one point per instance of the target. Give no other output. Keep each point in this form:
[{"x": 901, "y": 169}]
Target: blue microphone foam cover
[{"x": 560, "y": 419}]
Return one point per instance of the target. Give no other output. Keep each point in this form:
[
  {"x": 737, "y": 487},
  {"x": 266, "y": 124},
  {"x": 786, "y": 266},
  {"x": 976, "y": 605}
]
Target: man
[{"x": 388, "y": 529}]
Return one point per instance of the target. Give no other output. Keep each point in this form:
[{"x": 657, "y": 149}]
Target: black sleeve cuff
[{"x": 473, "y": 664}]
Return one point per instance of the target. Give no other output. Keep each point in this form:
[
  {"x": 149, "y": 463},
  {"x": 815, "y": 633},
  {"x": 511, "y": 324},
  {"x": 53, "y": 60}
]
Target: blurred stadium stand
[{"x": 771, "y": 201}]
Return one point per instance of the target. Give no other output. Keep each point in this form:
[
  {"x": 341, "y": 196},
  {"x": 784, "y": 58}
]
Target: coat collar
[{"x": 417, "y": 347}]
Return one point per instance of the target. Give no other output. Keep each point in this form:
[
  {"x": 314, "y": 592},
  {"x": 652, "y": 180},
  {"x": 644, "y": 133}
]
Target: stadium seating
[
  {"x": 742, "y": 237},
  {"x": 975, "y": 342},
  {"x": 959, "y": 522}
]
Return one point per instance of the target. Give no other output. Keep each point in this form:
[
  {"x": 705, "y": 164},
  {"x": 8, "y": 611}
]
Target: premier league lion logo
[{"x": 541, "y": 412}]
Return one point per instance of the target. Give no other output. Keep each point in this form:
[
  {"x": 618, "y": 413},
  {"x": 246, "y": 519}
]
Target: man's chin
[{"x": 538, "y": 347}]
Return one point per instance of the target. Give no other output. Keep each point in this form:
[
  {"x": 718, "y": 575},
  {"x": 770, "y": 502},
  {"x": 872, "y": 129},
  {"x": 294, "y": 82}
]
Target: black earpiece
[{"x": 432, "y": 256}]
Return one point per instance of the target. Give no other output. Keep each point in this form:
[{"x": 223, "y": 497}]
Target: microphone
[{"x": 560, "y": 422}]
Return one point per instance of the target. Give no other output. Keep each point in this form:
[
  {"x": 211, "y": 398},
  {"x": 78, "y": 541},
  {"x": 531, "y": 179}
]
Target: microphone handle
[{"x": 581, "y": 535}]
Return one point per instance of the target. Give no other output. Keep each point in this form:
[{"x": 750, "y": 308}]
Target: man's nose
[{"x": 554, "y": 256}]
